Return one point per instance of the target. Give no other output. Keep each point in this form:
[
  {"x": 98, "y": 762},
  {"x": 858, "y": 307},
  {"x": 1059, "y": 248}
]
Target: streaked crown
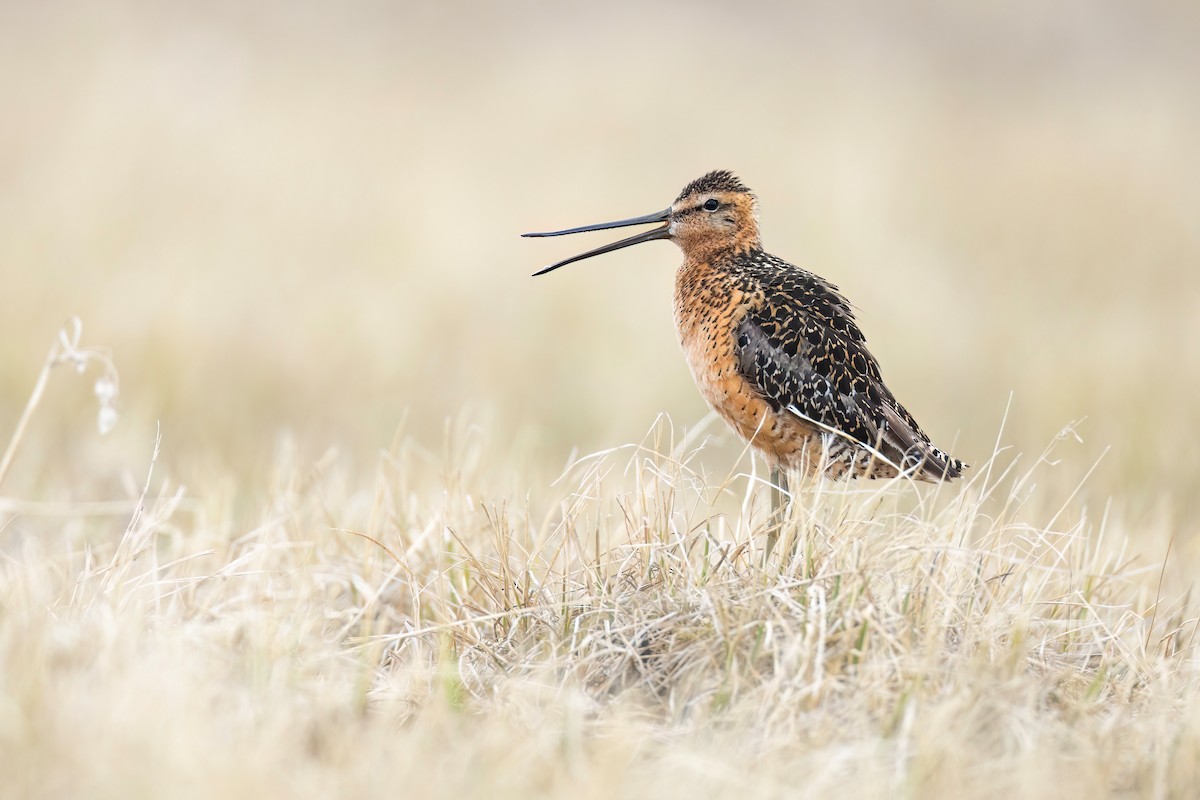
[{"x": 720, "y": 180}]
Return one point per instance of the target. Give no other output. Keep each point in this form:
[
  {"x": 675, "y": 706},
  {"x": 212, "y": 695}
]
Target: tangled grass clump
[{"x": 623, "y": 633}]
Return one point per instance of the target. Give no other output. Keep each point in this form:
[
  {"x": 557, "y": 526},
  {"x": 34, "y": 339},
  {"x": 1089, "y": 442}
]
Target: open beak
[{"x": 646, "y": 236}]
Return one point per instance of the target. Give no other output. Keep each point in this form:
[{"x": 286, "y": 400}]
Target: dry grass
[
  {"x": 620, "y": 638},
  {"x": 294, "y": 228}
]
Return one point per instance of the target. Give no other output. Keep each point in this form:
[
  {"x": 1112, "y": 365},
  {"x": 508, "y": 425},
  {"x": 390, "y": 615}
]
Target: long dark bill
[{"x": 647, "y": 236}]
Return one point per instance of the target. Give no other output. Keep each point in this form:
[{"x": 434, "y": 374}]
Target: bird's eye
[{"x": 711, "y": 204}]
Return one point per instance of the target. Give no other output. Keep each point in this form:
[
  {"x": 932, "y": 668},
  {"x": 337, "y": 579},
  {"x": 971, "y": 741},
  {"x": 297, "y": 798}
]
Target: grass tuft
[{"x": 622, "y": 633}]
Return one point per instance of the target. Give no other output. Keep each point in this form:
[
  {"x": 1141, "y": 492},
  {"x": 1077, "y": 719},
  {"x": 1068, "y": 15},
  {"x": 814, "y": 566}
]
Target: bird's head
[{"x": 712, "y": 215}]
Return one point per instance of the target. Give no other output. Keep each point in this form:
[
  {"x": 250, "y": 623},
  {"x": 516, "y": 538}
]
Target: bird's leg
[{"x": 778, "y": 510}]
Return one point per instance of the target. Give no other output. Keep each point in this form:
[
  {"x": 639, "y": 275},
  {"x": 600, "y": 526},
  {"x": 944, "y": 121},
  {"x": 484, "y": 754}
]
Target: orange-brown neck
[{"x": 713, "y": 248}]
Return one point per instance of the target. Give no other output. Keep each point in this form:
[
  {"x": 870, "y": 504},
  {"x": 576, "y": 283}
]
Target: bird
[{"x": 776, "y": 350}]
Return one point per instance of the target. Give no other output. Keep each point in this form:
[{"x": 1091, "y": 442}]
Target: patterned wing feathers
[{"x": 801, "y": 348}]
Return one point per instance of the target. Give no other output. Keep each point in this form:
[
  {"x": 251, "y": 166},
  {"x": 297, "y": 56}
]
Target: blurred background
[{"x": 298, "y": 221}]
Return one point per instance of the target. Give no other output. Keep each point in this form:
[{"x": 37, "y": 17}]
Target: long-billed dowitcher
[{"x": 775, "y": 349}]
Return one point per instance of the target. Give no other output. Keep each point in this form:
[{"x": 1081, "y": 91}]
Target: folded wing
[{"x": 805, "y": 353}]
